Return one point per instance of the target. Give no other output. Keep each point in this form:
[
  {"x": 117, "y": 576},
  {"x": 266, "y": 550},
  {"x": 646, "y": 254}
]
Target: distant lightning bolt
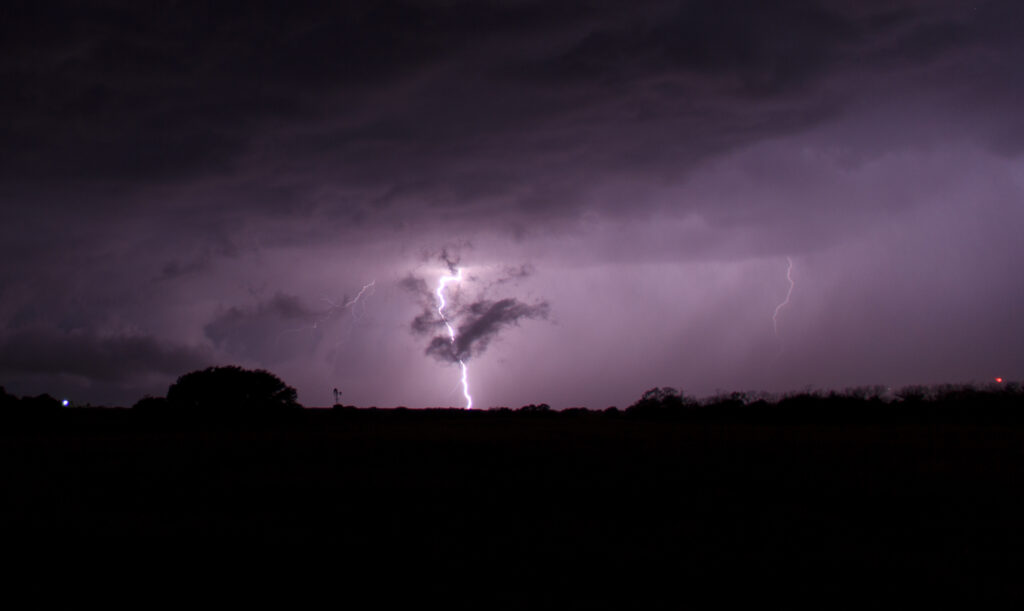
[
  {"x": 349, "y": 304},
  {"x": 352, "y": 302},
  {"x": 457, "y": 277},
  {"x": 785, "y": 302},
  {"x": 333, "y": 308}
]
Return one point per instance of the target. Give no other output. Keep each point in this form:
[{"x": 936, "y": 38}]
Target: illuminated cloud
[{"x": 218, "y": 178}]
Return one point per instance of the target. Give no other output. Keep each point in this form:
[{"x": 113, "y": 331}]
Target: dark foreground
[{"x": 583, "y": 510}]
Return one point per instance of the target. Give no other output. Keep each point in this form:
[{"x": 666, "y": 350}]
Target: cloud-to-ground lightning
[
  {"x": 785, "y": 302},
  {"x": 456, "y": 277}
]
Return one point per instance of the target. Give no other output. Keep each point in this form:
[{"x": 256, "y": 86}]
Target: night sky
[{"x": 621, "y": 183}]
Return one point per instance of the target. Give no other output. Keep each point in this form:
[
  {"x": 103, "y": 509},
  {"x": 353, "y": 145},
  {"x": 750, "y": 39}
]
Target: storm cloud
[
  {"x": 479, "y": 323},
  {"x": 186, "y": 180},
  {"x": 118, "y": 359},
  {"x": 513, "y": 110},
  {"x": 476, "y": 324}
]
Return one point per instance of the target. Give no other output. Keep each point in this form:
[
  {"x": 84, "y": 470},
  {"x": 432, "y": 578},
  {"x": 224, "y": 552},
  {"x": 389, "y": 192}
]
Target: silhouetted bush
[
  {"x": 727, "y": 401},
  {"x": 915, "y": 393},
  {"x": 866, "y": 393},
  {"x": 40, "y": 403},
  {"x": 802, "y": 400},
  {"x": 29, "y": 407},
  {"x": 7, "y": 401},
  {"x": 152, "y": 404},
  {"x": 661, "y": 401},
  {"x": 531, "y": 408},
  {"x": 231, "y": 389}
]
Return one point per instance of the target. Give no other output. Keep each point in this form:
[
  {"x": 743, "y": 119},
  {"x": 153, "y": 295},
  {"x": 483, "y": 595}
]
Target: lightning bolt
[
  {"x": 457, "y": 277},
  {"x": 331, "y": 311},
  {"x": 354, "y": 300},
  {"x": 349, "y": 304},
  {"x": 785, "y": 302}
]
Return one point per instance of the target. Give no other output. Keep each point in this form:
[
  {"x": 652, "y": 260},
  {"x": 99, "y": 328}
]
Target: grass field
[{"x": 809, "y": 505}]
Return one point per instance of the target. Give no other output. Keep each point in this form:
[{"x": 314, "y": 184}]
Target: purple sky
[{"x": 621, "y": 182}]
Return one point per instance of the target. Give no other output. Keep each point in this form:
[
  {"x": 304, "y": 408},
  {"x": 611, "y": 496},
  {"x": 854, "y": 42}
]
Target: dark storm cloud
[
  {"x": 122, "y": 90},
  {"x": 159, "y": 159},
  {"x": 476, "y": 323},
  {"x": 176, "y": 269},
  {"x": 351, "y": 112},
  {"x": 84, "y": 354},
  {"x": 450, "y": 259},
  {"x": 448, "y": 256},
  {"x": 762, "y": 47},
  {"x": 515, "y": 273},
  {"x": 214, "y": 245},
  {"x": 270, "y": 331},
  {"x": 481, "y": 323},
  {"x": 427, "y": 320},
  {"x": 132, "y": 92},
  {"x": 415, "y": 285}
]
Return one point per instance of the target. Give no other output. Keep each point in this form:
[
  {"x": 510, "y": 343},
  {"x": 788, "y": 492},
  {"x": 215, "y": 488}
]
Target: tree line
[{"x": 234, "y": 391}]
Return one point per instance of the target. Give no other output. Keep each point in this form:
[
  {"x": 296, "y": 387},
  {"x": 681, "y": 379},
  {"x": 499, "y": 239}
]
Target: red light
[{"x": 999, "y": 380}]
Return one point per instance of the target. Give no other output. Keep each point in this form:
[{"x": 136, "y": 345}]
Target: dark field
[{"x": 598, "y": 508}]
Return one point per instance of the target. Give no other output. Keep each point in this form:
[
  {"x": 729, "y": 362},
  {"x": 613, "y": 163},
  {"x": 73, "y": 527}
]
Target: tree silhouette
[
  {"x": 661, "y": 401},
  {"x": 40, "y": 403},
  {"x": 7, "y": 401},
  {"x": 151, "y": 404},
  {"x": 231, "y": 389}
]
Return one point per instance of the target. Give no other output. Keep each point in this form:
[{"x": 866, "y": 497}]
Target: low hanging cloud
[
  {"x": 121, "y": 359},
  {"x": 270, "y": 331},
  {"x": 483, "y": 321},
  {"x": 476, "y": 323}
]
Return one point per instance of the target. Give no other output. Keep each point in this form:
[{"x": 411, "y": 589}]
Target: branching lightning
[
  {"x": 332, "y": 310},
  {"x": 785, "y": 302},
  {"x": 350, "y": 304},
  {"x": 457, "y": 277},
  {"x": 354, "y": 300},
  {"x": 334, "y": 307}
]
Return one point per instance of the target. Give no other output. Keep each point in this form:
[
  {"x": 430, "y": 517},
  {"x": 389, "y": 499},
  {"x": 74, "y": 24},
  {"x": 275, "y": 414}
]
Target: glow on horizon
[{"x": 457, "y": 277}]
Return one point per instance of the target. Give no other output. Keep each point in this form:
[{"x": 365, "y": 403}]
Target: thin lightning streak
[
  {"x": 785, "y": 302},
  {"x": 457, "y": 277},
  {"x": 355, "y": 312},
  {"x": 334, "y": 307},
  {"x": 353, "y": 301}
]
